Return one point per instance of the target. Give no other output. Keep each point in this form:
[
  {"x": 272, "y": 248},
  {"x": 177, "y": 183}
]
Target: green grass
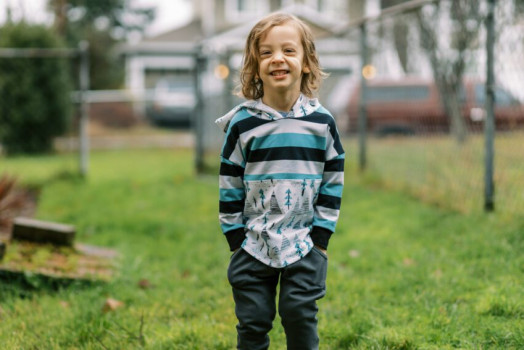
[
  {"x": 402, "y": 275},
  {"x": 440, "y": 171}
]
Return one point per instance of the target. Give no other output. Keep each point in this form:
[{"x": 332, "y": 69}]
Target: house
[{"x": 219, "y": 27}]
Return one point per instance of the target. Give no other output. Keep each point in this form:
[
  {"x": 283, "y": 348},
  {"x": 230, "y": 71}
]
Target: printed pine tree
[
  {"x": 303, "y": 186},
  {"x": 299, "y": 250},
  {"x": 288, "y": 198},
  {"x": 262, "y": 197},
  {"x": 291, "y": 223}
]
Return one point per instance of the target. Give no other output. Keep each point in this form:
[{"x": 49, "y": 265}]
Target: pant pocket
[
  {"x": 238, "y": 264},
  {"x": 322, "y": 254}
]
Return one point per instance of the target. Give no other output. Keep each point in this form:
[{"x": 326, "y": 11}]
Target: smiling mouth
[{"x": 279, "y": 73}]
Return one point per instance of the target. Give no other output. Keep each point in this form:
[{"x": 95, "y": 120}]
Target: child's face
[{"x": 281, "y": 58}]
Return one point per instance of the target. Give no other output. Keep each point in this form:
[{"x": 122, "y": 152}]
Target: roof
[
  {"x": 234, "y": 38},
  {"x": 191, "y": 32},
  {"x": 187, "y": 38}
]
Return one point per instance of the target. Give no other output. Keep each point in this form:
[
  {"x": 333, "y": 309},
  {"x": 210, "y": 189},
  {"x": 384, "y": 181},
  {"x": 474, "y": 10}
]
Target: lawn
[
  {"x": 402, "y": 275},
  {"x": 439, "y": 170}
]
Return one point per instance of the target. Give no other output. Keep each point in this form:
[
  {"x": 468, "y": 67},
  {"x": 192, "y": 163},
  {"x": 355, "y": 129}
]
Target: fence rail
[
  {"x": 442, "y": 80},
  {"x": 425, "y": 79}
]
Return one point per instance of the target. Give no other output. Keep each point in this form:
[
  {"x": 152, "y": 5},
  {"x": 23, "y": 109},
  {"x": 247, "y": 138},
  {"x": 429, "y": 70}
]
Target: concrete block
[{"x": 26, "y": 229}]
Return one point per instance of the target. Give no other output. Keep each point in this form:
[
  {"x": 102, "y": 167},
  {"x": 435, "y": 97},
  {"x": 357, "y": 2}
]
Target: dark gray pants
[{"x": 254, "y": 290}]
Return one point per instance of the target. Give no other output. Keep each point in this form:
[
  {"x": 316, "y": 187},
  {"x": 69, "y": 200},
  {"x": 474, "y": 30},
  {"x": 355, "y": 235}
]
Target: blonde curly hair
[{"x": 251, "y": 86}]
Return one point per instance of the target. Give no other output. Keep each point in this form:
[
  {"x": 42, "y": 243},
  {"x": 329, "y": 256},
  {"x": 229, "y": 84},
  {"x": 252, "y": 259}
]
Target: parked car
[
  {"x": 172, "y": 103},
  {"x": 413, "y": 105}
]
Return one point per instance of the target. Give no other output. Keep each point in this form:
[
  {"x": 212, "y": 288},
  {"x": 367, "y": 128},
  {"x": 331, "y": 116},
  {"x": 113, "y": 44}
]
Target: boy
[{"x": 281, "y": 179}]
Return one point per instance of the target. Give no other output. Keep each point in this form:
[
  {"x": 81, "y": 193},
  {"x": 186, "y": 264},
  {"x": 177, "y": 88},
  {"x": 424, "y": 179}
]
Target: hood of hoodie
[{"x": 304, "y": 106}]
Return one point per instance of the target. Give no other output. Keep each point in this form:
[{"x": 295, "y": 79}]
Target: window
[
  {"x": 329, "y": 7},
  {"x": 241, "y": 10},
  {"x": 502, "y": 97},
  {"x": 397, "y": 93}
]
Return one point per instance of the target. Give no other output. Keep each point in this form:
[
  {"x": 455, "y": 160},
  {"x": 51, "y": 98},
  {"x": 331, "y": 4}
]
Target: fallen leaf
[
  {"x": 186, "y": 274},
  {"x": 408, "y": 261},
  {"x": 111, "y": 305},
  {"x": 144, "y": 284},
  {"x": 354, "y": 253}
]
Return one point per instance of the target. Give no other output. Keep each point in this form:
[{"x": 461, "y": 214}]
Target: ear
[{"x": 306, "y": 70}]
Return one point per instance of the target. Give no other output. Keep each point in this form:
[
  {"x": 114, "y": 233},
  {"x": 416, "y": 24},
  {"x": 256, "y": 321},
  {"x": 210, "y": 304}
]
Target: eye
[
  {"x": 265, "y": 53},
  {"x": 289, "y": 50}
]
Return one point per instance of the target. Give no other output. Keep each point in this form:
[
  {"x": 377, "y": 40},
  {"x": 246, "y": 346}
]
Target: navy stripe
[
  {"x": 321, "y": 118},
  {"x": 250, "y": 123},
  {"x": 286, "y": 153},
  {"x": 231, "y": 207},
  {"x": 337, "y": 144},
  {"x": 231, "y": 170},
  {"x": 327, "y": 201},
  {"x": 231, "y": 142},
  {"x": 334, "y": 165}
]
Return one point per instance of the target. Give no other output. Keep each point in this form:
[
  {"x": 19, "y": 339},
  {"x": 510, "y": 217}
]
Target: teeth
[{"x": 279, "y": 72}]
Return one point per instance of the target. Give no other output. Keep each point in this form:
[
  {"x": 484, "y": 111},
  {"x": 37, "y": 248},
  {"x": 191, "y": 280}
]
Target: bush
[{"x": 35, "y": 102}]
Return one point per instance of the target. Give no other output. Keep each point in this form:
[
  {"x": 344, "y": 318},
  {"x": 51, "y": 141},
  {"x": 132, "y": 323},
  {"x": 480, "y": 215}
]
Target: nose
[{"x": 278, "y": 57}]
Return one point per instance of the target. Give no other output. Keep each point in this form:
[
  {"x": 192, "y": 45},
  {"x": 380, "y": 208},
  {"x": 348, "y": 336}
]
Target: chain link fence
[
  {"x": 422, "y": 88},
  {"x": 100, "y": 119},
  {"x": 422, "y": 101}
]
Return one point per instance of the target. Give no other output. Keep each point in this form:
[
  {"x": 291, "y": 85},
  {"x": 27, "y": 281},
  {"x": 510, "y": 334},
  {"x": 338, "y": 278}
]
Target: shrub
[{"x": 35, "y": 102}]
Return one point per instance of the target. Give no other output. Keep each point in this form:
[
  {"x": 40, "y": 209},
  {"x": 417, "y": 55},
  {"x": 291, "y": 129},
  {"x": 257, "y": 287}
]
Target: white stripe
[
  {"x": 292, "y": 125},
  {"x": 230, "y": 219},
  {"x": 333, "y": 177},
  {"x": 237, "y": 157},
  {"x": 230, "y": 182},
  {"x": 284, "y": 166},
  {"x": 330, "y": 150},
  {"x": 326, "y": 213}
]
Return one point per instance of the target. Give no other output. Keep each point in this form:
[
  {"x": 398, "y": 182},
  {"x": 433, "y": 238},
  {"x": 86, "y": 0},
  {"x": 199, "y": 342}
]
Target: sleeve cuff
[
  {"x": 320, "y": 236},
  {"x": 235, "y": 238}
]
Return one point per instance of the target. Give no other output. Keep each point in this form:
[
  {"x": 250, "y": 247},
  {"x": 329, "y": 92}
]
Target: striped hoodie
[{"x": 281, "y": 180}]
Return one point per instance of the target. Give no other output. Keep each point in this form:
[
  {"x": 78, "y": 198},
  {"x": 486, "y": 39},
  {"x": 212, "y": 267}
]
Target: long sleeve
[
  {"x": 327, "y": 208},
  {"x": 232, "y": 192}
]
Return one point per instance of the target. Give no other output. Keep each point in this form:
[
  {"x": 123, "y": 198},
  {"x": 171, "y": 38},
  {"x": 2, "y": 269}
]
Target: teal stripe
[
  {"x": 238, "y": 117},
  {"x": 227, "y": 161},
  {"x": 321, "y": 109},
  {"x": 282, "y": 176},
  {"x": 231, "y": 194},
  {"x": 332, "y": 189},
  {"x": 230, "y": 227},
  {"x": 327, "y": 224},
  {"x": 289, "y": 140},
  {"x": 340, "y": 156}
]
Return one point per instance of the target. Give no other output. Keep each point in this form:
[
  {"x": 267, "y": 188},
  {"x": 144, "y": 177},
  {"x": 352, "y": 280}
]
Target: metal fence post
[
  {"x": 362, "y": 117},
  {"x": 229, "y": 81},
  {"x": 198, "y": 120},
  {"x": 84, "y": 107},
  {"x": 489, "y": 123}
]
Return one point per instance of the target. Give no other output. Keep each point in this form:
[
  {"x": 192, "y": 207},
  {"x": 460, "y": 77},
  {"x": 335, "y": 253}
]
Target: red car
[{"x": 413, "y": 105}]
